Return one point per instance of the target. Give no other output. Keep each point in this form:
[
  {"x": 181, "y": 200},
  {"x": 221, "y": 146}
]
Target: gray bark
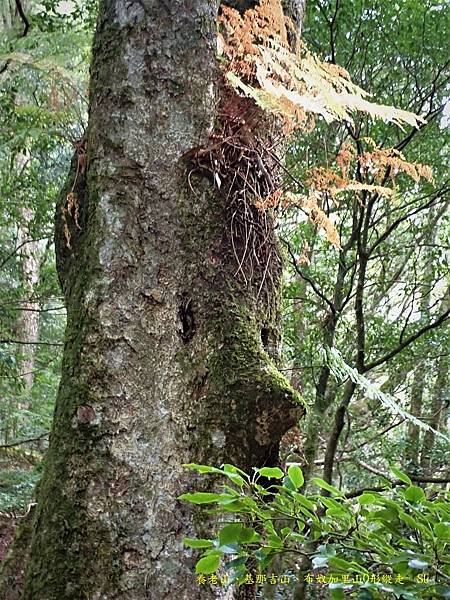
[
  {"x": 168, "y": 351},
  {"x": 28, "y": 324},
  {"x": 7, "y": 14},
  {"x": 440, "y": 397}
]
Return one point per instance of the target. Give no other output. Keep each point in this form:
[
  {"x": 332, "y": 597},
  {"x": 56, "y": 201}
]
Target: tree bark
[
  {"x": 28, "y": 322},
  {"x": 439, "y": 404},
  {"x": 440, "y": 401},
  {"x": 169, "y": 355}
]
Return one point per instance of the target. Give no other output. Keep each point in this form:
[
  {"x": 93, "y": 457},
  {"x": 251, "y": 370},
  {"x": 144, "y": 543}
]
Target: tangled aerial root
[{"x": 242, "y": 163}]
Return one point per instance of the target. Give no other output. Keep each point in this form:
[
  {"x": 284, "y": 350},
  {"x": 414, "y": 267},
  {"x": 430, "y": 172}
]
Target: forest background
[{"x": 366, "y": 335}]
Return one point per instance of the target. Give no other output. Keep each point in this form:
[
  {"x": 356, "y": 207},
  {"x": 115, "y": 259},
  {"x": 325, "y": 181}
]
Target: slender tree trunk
[
  {"x": 420, "y": 372},
  {"x": 10, "y": 17},
  {"x": 439, "y": 402},
  {"x": 7, "y": 14},
  {"x": 415, "y": 408},
  {"x": 28, "y": 322},
  {"x": 167, "y": 355}
]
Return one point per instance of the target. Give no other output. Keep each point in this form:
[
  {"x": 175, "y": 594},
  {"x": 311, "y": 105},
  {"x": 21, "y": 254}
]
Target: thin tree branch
[
  {"x": 308, "y": 280},
  {"x": 396, "y": 483},
  {"x": 379, "y": 361},
  {"x": 9, "y": 341},
  {"x": 23, "y": 17},
  {"x": 375, "y": 437},
  {"x": 27, "y": 441}
]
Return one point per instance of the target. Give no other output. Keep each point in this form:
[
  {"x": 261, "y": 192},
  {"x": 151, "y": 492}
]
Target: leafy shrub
[{"x": 393, "y": 543}]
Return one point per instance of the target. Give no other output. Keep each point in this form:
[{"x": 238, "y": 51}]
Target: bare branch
[
  {"x": 436, "y": 323},
  {"x": 9, "y": 341},
  {"x": 27, "y": 441}
]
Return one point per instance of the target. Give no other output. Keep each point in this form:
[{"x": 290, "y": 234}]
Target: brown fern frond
[
  {"x": 263, "y": 66},
  {"x": 379, "y": 159}
]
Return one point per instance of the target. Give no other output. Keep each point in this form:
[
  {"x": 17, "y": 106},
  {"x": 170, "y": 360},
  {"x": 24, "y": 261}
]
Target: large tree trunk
[{"x": 168, "y": 351}]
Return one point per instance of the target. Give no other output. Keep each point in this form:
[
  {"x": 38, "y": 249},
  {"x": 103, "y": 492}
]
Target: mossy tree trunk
[{"x": 170, "y": 356}]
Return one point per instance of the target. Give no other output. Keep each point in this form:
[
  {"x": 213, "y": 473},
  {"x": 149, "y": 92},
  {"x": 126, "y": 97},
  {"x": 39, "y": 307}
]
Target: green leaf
[
  {"x": 442, "y": 531},
  {"x": 326, "y": 486},
  {"x": 337, "y": 593},
  {"x": 365, "y": 595},
  {"x": 201, "y": 497},
  {"x": 414, "y": 494},
  {"x": 208, "y": 564},
  {"x": 233, "y": 474},
  {"x": 409, "y": 520},
  {"x": 303, "y": 500},
  {"x": 275, "y": 541},
  {"x": 271, "y": 472},
  {"x": 232, "y": 469},
  {"x": 366, "y": 498},
  {"x": 296, "y": 476},
  {"x": 400, "y": 475},
  {"x": 345, "y": 565},
  {"x": 230, "y": 533},
  {"x": 235, "y": 563},
  {"x": 264, "y": 556},
  {"x": 233, "y": 506},
  {"x": 202, "y": 468},
  {"x": 197, "y": 543},
  {"x": 386, "y": 514},
  {"x": 248, "y": 534}
]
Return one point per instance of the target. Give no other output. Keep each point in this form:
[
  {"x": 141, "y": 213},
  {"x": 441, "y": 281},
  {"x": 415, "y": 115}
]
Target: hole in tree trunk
[{"x": 265, "y": 337}]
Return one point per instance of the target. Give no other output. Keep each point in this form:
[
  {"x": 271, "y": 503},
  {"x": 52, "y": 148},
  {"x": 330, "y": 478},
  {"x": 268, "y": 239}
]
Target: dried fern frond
[
  {"x": 310, "y": 205},
  {"x": 326, "y": 180},
  {"x": 291, "y": 84},
  {"x": 379, "y": 159}
]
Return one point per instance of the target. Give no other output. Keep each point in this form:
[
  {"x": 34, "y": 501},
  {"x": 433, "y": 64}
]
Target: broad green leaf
[
  {"x": 345, "y": 565},
  {"x": 230, "y": 533},
  {"x": 202, "y": 468},
  {"x": 208, "y": 564},
  {"x": 235, "y": 563},
  {"x": 296, "y": 476},
  {"x": 367, "y": 498},
  {"x": 232, "y": 469},
  {"x": 400, "y": 475},
  {"x": 271, "y": 472},
  {"x": 203, "y": 497},
  {"x": 303, "y": 500},
  {"x": 365, "y": 594},
  {"x": 409, "y": 520},
  {"x": 197, "y": 543},
  {"x": 275, "y": 540},
  {"x": 442, "y": 531},
  {"x": 414, "y": 494},
  {"x": 248, "y": 534},
  {"x": 230, "y": 548},
  {"x": 337, "y": 593},
  {"x": 326, "y": 486}
]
